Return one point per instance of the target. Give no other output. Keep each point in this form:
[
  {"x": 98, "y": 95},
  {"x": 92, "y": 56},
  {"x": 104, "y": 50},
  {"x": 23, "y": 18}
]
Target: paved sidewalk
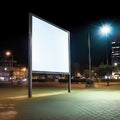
[{"x": 100, "y": 103}]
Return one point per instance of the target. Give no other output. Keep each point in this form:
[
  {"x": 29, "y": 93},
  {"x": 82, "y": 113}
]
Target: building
[{"x": 116, "y": 52}]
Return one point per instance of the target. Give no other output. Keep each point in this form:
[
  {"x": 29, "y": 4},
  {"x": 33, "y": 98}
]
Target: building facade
[{"x": 116, "y": 52}]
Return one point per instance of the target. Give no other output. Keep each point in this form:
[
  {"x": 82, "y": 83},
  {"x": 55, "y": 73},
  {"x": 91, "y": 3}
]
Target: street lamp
[
  {"x": 105, "y": 30},
  {"x": 10, "y": 54}
]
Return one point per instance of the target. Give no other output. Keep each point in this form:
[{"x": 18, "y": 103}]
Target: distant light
[
  {"x": 78, "y": 74},
  {"x": 23, "y": 69},
  {"x": 5, "y": 69},
  {"x": 115, "y": 64},
  {"x": 106, "y": 77},
  {"x": 8, "y": 53},
  {"x": 105, "y": 29}
]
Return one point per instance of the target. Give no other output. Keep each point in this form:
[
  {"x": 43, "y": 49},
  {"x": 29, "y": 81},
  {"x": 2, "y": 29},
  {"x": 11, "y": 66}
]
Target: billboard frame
[{"x": 30, "y": 56}]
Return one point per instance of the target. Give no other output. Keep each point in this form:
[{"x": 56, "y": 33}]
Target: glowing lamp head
[
  {"x": 8, "y": 53},
  {"x": 105, "y": 29}
]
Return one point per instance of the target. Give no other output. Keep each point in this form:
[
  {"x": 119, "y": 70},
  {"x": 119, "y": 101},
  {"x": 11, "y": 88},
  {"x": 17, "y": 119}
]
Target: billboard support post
[
  {"x": 69, "y": 83},
  {"x": 29, "y": 59}
]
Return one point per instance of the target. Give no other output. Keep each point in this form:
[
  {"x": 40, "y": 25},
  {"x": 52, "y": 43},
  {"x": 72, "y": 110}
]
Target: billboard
[{"x": 49, "y": 47}]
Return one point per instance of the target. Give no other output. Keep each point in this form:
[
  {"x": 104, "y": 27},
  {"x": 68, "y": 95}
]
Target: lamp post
[
  {"x": 10, "y": 54},
  {"x": 89, "y": 49},
  {"x": 105, "y": 30}
]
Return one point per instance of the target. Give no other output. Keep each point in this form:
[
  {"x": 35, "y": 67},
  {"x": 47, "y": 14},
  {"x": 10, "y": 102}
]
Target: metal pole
[
  {"x": 12, "y": 61},
  {"x": 30, "y": 58},
  {"x": 106, "y": 50},
  {"x": 107, "y": 59},
  {"x": 89, "y": 55},
  {"x": 69, "y": 83}
]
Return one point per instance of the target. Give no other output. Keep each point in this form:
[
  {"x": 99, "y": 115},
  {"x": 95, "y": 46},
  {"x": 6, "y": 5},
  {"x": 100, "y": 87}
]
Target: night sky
[{"x": 77, "y": 18}]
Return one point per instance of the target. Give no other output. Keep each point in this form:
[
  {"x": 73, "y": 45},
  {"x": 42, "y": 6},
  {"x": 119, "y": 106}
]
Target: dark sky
[{"x": 73, "y": 16}]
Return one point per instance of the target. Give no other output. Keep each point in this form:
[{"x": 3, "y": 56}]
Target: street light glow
[
  {"x": 8, "y": 53},
  {"x": 105, "y": 29}
]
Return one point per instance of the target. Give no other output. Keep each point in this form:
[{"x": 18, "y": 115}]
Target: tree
[{"x": 104, "y": 70}]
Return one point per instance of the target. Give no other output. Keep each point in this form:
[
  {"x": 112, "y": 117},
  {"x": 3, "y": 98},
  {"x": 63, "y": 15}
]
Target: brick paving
[{"x": 99, "y": 103}]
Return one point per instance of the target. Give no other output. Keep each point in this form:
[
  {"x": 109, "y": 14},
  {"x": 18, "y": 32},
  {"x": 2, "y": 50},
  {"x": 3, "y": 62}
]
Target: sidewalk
[{"x": 49, "y": 103}]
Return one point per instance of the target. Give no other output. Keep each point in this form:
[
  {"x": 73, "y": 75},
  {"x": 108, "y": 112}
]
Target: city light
[
  {"x": 105, "y": 29},
  {"x": 8, "y": 53},
  {"x": 115, "y": 64}
]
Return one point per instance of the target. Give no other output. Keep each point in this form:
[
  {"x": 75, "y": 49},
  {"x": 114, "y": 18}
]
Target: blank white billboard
[{"x": 50, "y": 47}]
